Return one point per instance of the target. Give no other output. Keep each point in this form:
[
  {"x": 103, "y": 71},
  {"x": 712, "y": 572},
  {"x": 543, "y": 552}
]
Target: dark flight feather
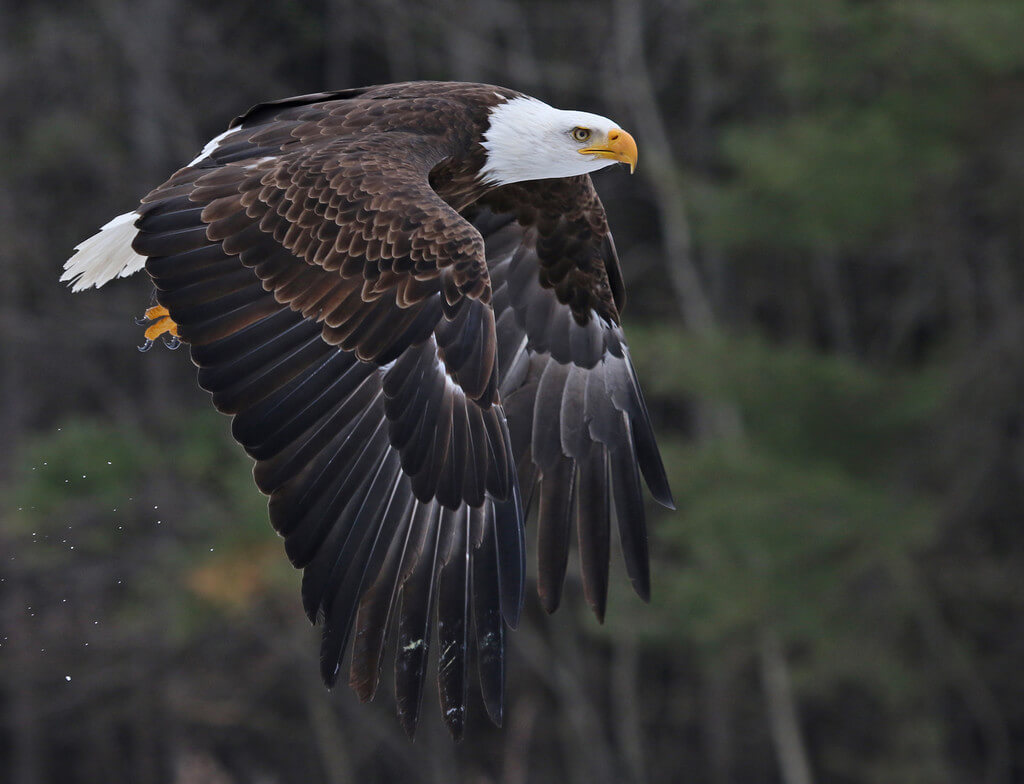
[
  {"x": 453, "y": 621},
  {"x": 487, "y": 623},
  {"x": 417, "y": 604}
]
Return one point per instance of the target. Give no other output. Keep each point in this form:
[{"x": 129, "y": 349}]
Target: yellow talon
[
  {"x": 159, "y": 324},
  {"x": 162, "y": 326}
]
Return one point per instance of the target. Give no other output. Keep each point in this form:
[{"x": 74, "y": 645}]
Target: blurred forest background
[{"x": 824, "y": 251}]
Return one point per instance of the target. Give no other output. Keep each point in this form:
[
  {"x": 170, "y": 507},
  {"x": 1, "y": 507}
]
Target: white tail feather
[{"x": 105, "y": 255}]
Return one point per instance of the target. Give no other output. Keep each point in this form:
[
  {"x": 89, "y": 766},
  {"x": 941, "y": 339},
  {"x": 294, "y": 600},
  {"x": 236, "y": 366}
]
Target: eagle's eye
[{"x": 581, "y": 134}]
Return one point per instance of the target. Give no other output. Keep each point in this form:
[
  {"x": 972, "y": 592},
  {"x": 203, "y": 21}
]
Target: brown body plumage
[{"x": 406, "y": 345}]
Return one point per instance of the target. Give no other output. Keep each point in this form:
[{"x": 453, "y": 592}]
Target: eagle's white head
[{"x": 529, "y": 140}]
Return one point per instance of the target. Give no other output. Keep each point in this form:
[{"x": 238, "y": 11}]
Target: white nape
[{"x": 105, "y": 255}]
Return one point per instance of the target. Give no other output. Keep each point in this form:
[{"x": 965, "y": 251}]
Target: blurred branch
[
  {"x": 662, "y": 167},
  {"x": 398, "y": 21},
  {"x": 963, "y": 675},
  {"x": 22, "y": 708},
  {"x": 328, "y": 734},
  {"x": 665, "y": 171},
  {"x": 717, "y": 680},
  {"x": 466, "y": 29},
  {"x": 339, "y": 36},
  {"x": 625, "y": 694},
  {"x": 519, "y": 730},
  {"x": 794, "y": 766},
  {"x": 588, "y": 762},
  {"x": 827, "y": 269}
]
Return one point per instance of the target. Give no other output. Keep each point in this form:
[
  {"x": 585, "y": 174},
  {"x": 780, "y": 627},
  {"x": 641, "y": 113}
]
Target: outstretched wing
[
  {"x": 340, "y": 311},
  {"x": 581, "y": 434}
]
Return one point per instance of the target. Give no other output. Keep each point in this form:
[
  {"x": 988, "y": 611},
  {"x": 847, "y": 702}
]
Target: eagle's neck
[{"x": 458, "y": 180}]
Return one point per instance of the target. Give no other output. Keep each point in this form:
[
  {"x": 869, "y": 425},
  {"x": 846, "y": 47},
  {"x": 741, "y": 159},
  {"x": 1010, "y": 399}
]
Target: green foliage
[
  {"x": 807, "y": 500},
  {"x": 819, "y": 181},
  {"x": 759, "y": 536},
  {"x": 804, "y": 522},
  {"x": 103, "y": 464},
  {"x": 806, "y": 408},
  {"x": 118, "y": 484},
  {"x": 870, "y": 102},
  {"x": 82, "y": 461}
]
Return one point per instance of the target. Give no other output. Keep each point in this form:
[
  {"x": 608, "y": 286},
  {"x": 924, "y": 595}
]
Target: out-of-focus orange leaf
[{"x": 235, "y": 579}]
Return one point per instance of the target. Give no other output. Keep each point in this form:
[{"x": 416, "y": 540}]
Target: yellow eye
[{"x": 581, "y": 134}]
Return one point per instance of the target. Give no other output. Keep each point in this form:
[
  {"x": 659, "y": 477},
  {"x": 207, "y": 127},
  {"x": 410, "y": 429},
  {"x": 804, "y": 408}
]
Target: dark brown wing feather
[
  {"x": 579, "y": 426},
  {"x": 339, "y": 309}
]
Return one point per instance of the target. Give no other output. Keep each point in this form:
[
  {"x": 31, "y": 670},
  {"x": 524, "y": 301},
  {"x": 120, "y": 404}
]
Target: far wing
[{"x": 580, "y": 429}]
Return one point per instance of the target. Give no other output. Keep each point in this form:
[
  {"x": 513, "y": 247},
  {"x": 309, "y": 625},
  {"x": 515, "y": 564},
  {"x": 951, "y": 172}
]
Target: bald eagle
[{"x": 407, "y": 297}]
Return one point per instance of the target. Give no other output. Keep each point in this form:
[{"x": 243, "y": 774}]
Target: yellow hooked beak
[{"x": 619, "y": 146}]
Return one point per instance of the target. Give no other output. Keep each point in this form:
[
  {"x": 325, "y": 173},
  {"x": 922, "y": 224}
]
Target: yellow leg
[
  {"x": 162, "y": 326},
  {"x": 159, "y": 324}
]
